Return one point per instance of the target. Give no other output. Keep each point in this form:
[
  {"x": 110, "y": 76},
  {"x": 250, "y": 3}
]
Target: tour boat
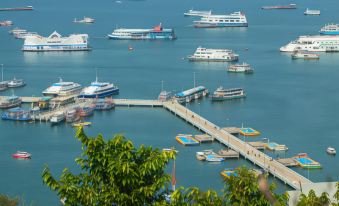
[
  {"x": 215, "y": 55},
  {"x": 192, "y": 12},
  {"x": 62, "y": 89},
  {"x": 240, "y": 68},
  {"x": 16, "y": 83},
  {"x": 86, "y": 20},
  {"x": 10, "y": 101},
  {"x": 104, "y": 104},
  {"x": 72, "y": 115},
  {"x": 16, "y": 114},
  {"x": 304, "y": 55},
  {"x": 236, "y": 19},
  {"x": 99, "y": 90},
  {"x": 316, "y": 43},
  {"x": 214, "y": 158},
  {"x": 330, "y": 29},
  {"x": 86, "y": 110},
  {"x": 312, "y": 12},
  {"x": 21, "y": 155},
  {"x": 331, "y": 150},
  {"x": 226, "y": 94},
  {"x": 58, "y": 117}
]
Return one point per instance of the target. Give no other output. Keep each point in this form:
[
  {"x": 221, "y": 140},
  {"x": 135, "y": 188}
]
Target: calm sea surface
[{"x": 291, "y": 102}]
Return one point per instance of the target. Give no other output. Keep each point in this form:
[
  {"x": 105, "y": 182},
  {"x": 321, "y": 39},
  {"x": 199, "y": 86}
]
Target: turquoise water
[{"x": 293, "y": 102}]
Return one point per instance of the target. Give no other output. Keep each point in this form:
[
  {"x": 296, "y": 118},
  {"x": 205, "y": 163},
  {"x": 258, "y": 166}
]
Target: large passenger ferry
[
  {"x": 236, "y": 19},
  {"x": 158, "y": 32},
  {"x": 99, "y": 90},
  {"x": 203, "y": 54},
  {"x": 313, "y": 44},
  {"x": 55, "y": 42},
  {"x": 330, "y": 29},
  {"x": 62, "y": 89}
]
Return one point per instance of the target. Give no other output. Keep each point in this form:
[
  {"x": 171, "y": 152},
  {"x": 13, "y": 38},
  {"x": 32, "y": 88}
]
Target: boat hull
[
  {"x": 329, "y": 32},
  {"x": 218, "y": 25},
  {"x": 147, "y": 37},
  {"x": 100, "y": 95},
  {"x": 222, "y": 98},
  {"x": 192, "y": 59}
]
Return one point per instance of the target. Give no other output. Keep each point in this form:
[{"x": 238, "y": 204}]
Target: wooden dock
[
  {"x": 202, "y": 138},
  {"x": 137, "y": 102},
  {"x": 288, "y": 162},
  {"x": 228, "y": 153},
  {"x": 258, "y": 145},
  {"x": 232, "y": 130}
]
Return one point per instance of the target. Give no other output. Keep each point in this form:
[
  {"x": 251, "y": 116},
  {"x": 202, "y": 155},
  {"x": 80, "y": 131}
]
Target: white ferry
[
  {"x": 240, "y": 68},
  {"x": 330, "y": 29},
  {"x": 16, "y": 83},
  {"x": 158, "y": 32},
  {"x": 99, "y": 90},
  {"x": 304, "y": 55},
  {"x": 203, "y": 54},
  {"x": 55, "y": 42},
  {"x": 226, "y": 94},
  {"x": 236, "y": 19},
  {"x": 313, "y": 44},
  {"x": 312, "y": 12},
  {"x": 192, "y": 12},
  {"x": 62, "y": 89}
]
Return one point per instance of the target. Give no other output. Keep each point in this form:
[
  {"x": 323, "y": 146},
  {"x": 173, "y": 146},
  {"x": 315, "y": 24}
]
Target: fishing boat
[
  {"x": 58, "y": 117},
  {"x": 331, "y": 151},
  {"x": 312, "y": 12},
  {"x": 16, "y": 83},
  {"x": 240, "y": 68},
  {"x": 236, "y": 19},
  {"x": 215, "y": 55},
  {"x": 86, "y": 110},
  {"x": 81, "y": 124},
  {"x": 72, "y": 115},
  {"x": 22, "y": 155},
  {"x": 62, "y": 89},
  {"x": 16, "y": 114},
  {"x": 6, "y": 23},
  {"x": 192, "y": 12},
  {"x": 86, "y": 20},
  {"x": 330, "y": 29},
  {"x": 10, "y": 101},
  {"x": 227, "y": 94},
  {"x": 104, "y": 104},
  {"x": 304, "y": 55},
  {"x": 290, "y": 6}
]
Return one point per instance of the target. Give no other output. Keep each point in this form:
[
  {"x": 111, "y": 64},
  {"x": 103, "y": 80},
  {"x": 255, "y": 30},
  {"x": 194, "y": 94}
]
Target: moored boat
[
  {"x": 331, "y": 151},
  {"x": 3, "y": 84},
  {"x": 304, "y": 55},
  {"x": 22, "y": 155},
  {"x": 58, "y": 117},
  {"x": 104, "y": 104},
  {"x": 191, "y": 94},
  {"x": 164, "y": 95},
  {"x": 236, "y": 19},
  {"x": 10, "y": 101},
  {"x": 192, "y": 12},
  {"x": 316, "y": 43},
  {"x": 16, "y": 83},
  {"x": 240, "y": 68},
  {"x": 86, "y": 110},
  {"x": 62, "y": 88},
  {"x": 72, "y": 115},
  {"x": 226, "y": 94},
  {"x": 330, "y": 29},
  {"x": 16, "y": 114},
  {"x": 99, "y": 90},
  {"x": 215, "y": 55}
]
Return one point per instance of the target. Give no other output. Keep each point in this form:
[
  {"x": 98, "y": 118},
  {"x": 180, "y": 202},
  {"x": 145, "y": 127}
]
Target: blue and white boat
[
  {"x": 191, "y": 94},
  {"x": 330, "y": 29},
  {"x": 16, "y": 114},
  {"x": 99, "y": 90},
  {"x": 158, "y": 32},
  {"x": 236, "y": 19}
]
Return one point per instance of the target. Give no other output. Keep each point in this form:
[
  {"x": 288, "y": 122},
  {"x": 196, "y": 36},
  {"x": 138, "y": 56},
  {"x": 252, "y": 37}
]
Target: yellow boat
[
  {"x": 249, "y": 132},
  {"x": 81, "y": 124}
]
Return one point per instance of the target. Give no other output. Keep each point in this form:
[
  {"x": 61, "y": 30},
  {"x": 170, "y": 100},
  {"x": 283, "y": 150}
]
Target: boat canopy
[{"x": 191, "y": 91}]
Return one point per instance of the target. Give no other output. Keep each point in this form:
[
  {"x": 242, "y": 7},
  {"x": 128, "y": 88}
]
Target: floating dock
[
  {"x": 304, "y": 161},
  {"x": 202, "y": 138},
  {"x": 288, "y": 162},
  {"x": 273, "y": 146},
  {"x": 258, "y": 145},
  {"x": 228, "y": 153},
  {"x": 186, "y": 139},
  {"x": 232, "y": 130},
  {"x": 249, "y": 132}
]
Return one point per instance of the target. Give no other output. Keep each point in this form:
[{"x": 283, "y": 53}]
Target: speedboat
[
  {"x": 62, "y": 89},
  {"x": 16, "y": 83},
  {"x": 214, "y": 158},
  {"x": 331, "y": 150},
  {"x": 22, "y": 155}
]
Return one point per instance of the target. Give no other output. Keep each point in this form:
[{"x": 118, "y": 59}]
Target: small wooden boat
[
  {"x": 21, "y": 155},
  {"x": 82, "y": 124},
  {"x": 331, "y": 151}
]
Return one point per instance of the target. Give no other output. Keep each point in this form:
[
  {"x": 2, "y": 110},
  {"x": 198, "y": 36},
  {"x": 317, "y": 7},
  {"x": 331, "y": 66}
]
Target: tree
[
  {"x": 312, "y": 200},
  {"x": 7, "y": 201},
  {"x": 113, "y": 172}
]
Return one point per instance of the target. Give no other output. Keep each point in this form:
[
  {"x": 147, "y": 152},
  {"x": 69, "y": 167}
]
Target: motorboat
[
  {"x": 331, "y": 151},
  {"x": 22, "y": 155}
]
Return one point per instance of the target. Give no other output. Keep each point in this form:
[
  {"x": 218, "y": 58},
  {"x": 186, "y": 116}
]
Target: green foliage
[
  {"x": 313, "y": 200},
  {"x": 7, "y": 201},
  {"x": 113, "y": 172},
  {"x": 247, "y": 189}
]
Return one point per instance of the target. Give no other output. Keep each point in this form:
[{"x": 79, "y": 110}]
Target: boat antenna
[
  {"x": 194, "y": 79},
  {"x": 2, "y": 72}
]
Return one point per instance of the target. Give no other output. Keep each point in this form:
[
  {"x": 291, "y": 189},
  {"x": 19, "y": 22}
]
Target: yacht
[
  {"x": 318, "y": 43},
  {"x": 236, "y": 19},
  {"x": 312, "y": 12},
  {"x": 24, "y": 35},
  {"x": 16, "y": 83},
  {"x": 192, "y": 12},
  {"x": 330, "y": 29},
  {"x": 157, "y": 32},
  {"x": 99, "y": 90},
  {"x": 55, "y": 42},
  {"x": 9, "y": 102},
  {"x": 304, "y": 55},
  {"x": 58, "y": 117},
  {"x": 240, "y": 68},
  {"x": 203, "y": 54},
  {"x": 62, "y": 89},
  {"x": 226, "y": 94},
  {"x": 86, "y": 20}
]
